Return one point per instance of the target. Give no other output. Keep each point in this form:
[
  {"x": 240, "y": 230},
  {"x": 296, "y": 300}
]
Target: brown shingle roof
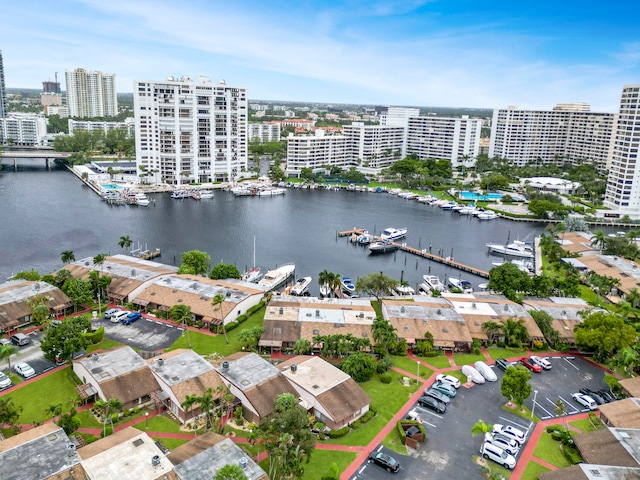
[
  {"x": 264, "y": 395},
  {"x": 198, "y": 385},
  {"x": 343, "y": 400},
  {"x": 631, "y": 385},
  {"x": 603, "y": 448},
  {"x": 574, "y": 472},
  {"x": 621, "y": 414},
  {"x": 106, "y": 443},
  {"x": 131, "y": 385},
  {"x": 11, "y": 312},
  {"x": 194, "y": 447},
  {"x": 444, "y": 331}
]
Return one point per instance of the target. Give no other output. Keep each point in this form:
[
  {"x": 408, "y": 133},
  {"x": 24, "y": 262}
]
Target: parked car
[
  {"x": 5, "y": 382},
  {"x": 5, "y": 341},
  {"x": 111, "y": 312},
  {"x": 472, "y": 374},
  {"x": 444, "y": 388},
  {"x": 507, "y": 444},
  {"x": 541, "y": 362},
  {"x": 24, "y": 369},
  {"x": 509, "y": 432},
  {"x": 585, "y": 400},
  {"x": 432, "y": 403},
  {"x": 20, "y": 339},
  {"x": 431, "y": 392},
  {"x": 385, "y": 461},
  {"x": 607, "y": 394},
  {"x": 530, "y": 365},
  {"x": 595, "y": 395},
  {"x": 498, "y": 455},
  {"x": 503, "y": 364},
  {"x": 451, "y": 380},
  {"x": 485, "y": 370},
  {"x": 132, "y": 317}
]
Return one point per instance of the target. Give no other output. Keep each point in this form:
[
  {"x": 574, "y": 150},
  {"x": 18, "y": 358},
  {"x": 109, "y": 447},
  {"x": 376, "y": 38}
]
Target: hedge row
[
  {"x": 94, "y": 337},
  {"x": 401, "y": 431}
]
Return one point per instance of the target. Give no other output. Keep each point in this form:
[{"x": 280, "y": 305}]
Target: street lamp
[
  {"x": 146, "y": 417},
  {"x": 418, "y": 380},
  {"x": 533, "y": 409},
  {"x": 99, "y": 305}
]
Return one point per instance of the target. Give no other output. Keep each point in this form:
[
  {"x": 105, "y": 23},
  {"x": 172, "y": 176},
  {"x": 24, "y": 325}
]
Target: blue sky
[{"x": 389, "y": 52}]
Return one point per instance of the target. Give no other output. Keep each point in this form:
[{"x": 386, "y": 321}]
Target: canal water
[{"x": 44, "y": 213}]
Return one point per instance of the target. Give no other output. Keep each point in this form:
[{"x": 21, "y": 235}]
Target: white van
[
  {"x": 498, "y": 455},
  {"x": 119, "y": 316}
]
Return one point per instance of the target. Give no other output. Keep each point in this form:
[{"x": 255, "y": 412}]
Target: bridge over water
[{"x": 32, "y": 154}]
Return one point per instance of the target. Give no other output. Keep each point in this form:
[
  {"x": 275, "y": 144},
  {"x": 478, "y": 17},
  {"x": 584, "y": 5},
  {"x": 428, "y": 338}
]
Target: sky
[{"x": 451, "y": 53}]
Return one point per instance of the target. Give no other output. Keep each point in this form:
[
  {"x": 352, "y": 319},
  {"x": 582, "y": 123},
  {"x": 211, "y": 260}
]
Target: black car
[
  {"x": 432, "y": 403},
  {"x": 607, "y": 394},
  {"x": 503, "y": 364},
  {"x": 593, "y": 394},
  {"x": 385, "y": 461},
  {"x": 430, "y": 392}
]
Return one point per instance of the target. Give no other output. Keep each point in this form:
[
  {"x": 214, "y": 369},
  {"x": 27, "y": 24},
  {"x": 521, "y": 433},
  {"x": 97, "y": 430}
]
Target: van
[
  {"x": 118, "y": 317},
  {"x": 20, "y": 339},
  {"x": 498, "y": 455}
]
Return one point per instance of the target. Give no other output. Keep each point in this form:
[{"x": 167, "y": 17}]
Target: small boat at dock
[
  {"x": 301, "y": 286},
  {"x": 517, "y": 248},
  {"x": 393, "y": 233},
  {"x": 275, "y": 278},
  {"x": 434, "y": 283},
  {"x": 403, "y": 289},
  {"x": 383, "y": 247},
  {"x": 348, "y": 286},
  {"x": 463, "y": 285}
]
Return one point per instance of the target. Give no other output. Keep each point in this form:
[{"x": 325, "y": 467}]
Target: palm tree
[
  {"x": 598, "y": 239},
  {"x": 218, "y": 299},
  {"x": 513, "y": 329},
  {"x": 125, "y": 241},
  {"x": 323, "y": 277},
  {"x": 481, "y": 428},
  {"x": 491, "y": 328},
  {"x": 181, "y": 313},
  {"x": 335, "y": 281},
  {"x": 54, "y": 411},
  {"x": 206, "y": 403},
  {"x": 99, "y": 260},
  {"x": 67, "y": 256},
  {"x": 105, "y": 409},
  {"x": 6, "y": 351},
  {"x": 383, "y": 333},
  {"x": 189, "y": 402},
  {"x": 633, "y": 297}
]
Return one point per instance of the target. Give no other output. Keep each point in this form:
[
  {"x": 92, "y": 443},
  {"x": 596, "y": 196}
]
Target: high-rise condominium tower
[
  {"x": 190, "y": 131},
  {"x": 91, "y": 94},
  {"x": 623, "y": 183},
  {"x": 3, "y": 93}
]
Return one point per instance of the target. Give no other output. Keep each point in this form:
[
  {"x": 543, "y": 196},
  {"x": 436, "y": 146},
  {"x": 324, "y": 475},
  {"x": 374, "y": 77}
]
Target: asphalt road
[{"x": 144, "y": 334}]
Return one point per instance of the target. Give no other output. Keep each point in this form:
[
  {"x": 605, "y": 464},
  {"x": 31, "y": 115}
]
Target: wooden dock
[{"x": 424, "y": 254}]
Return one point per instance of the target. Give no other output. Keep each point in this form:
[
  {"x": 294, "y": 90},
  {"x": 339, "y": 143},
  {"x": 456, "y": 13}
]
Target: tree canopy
[
  {"x": 376, "y": 284},
  {"x": 605, "y": 333},
  {"x": 515, "y": 384},
  {"x": 61, "y": 342},
  {"x": 360, "y": 366},
  {"x": 195, "y": 262},
  {"x": 224, "y": 270}
]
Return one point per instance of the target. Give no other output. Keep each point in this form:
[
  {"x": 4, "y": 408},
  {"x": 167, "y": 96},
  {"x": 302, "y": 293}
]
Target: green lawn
[
  {"x": 206, "y": 344},
  {"x": 441, "y": 361},
  {"x": 57, "y": 388},
  {"x": 387, "y": 399},
  {"x": 549, "y": 450},
  {"x": 160, "y": 423},
  {"x": 411, "y": 366},
  {"x": 496, "y": 352},
  {"x": 467, "y": 358},
  {"x": 105, "y": 344},
  {"x": 526, "y": 414},
  {"x": 88, "y": 420},
  {"x": 532, "y": 471},
  {"x": 171, "y": 443},
  {"x": 321, "y": 461},
  {"x": 585, "y": 425}
]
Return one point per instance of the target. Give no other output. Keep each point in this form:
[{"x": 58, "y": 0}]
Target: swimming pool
[
  {"x": 467, "y": 195},
  {"x": 111, "y": 186}
]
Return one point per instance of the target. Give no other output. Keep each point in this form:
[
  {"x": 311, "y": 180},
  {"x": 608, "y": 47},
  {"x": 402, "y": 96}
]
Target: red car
[{"x": 530, "y": 365}]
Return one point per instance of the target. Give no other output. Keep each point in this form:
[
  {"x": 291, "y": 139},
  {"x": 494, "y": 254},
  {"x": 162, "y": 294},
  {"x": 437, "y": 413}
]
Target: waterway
[{"x": 43, "y": 213}]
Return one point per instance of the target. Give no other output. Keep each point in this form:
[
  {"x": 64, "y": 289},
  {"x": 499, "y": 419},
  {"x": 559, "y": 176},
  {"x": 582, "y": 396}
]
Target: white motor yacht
[
  {"x": 275, "y": 278},
  {"x": 301, "y": 286},
  {"x": 517, "y": 248},
  {"x": 434, "y": 283},
  {"x": 393, "y": 233}
]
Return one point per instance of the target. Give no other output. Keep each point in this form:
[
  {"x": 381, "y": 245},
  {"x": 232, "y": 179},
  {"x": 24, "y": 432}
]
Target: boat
[
  {"x": 179, "y": 194},
  {"x": 301, "y": 286},
  {"x": 448, "y": 205},
  {"x": 270, "y": 191},
  {"x": 201, "y": 194},
  {"x": 423, "y": 289},
  {"x": 365, "y": 238},
  {"x": 253, "y": 274},
  {"x": 468, "y": 210},
  {"x": 517, "y": 248},
  {"x": 275, "y": 278},
  {"x": 393, "y": 233},
  {"x": 487, "y": 216},
  {"x": 463, "y": 285},
  {"x": 348, "y": 286},
  {"x": 383, "y": 247},
  {"x": 434, "y": 283},
  {"x": 241, "y": 191},
  {"x": 325, "y": 290},
  {"x": 403, "y": 289}
]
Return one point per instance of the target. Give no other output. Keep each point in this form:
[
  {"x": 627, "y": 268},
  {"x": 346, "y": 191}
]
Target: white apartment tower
[
  {"x": 190, "y": 131},
  {"x": 375, "y": 146},
  {"x": 4, "y": 108},
  {"x": 623, "y": 183},
  {"x": 316, "y": 151},
  {"x": 91, "y": 94},
  {"x": 264, "y": 132},
  {"x": 570, "y": 133},
  {"x": 454, "y": 139}
]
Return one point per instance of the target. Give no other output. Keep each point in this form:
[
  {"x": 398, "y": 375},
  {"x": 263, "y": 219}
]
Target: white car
[
  {"x": 24, "y": 369},
  {"x": 543, "y": 362},
  {"x": 472, "y": 374},
  {"x": 585, "y": 400},
  {"x": 5, "y": 382},
  {"x": 507, "y": 444},
  {"x": 449, "y": 379},
  {"x": 486, "y": 371},
  {"x": 509, "y": 432},
  {"x": 498, "y": 455}
]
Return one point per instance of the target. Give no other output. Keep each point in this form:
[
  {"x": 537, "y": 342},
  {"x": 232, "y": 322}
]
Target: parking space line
[
  {"x": 362, "y": 469},
  {"x": 515, "y": 423},
  {"x": 567, "y": 404},
  {"x": 434, "y": 414},
  {"x": 537, "y": 404},
  {"x": 565, "y": 359},
  {"x": 423, "y": 420}
]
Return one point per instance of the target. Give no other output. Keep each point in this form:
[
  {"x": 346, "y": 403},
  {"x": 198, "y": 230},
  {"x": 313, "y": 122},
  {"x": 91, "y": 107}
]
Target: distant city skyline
[{"x": 411, "y": 52}]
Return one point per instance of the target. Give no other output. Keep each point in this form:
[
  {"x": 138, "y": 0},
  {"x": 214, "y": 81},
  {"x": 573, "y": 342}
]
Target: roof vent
[
  {"x": 361, "y": 315},
  {"x": 133, "y": 272},
  {"x": 95, "y": 357},
  {"x": 473, "y": 305},
  {"x": 243, "y": 462},
  {"x": 155, "y": 460},
  {"x": 225, "y": 365},
  {"x": 439, "y": 312},
  {"x": 294, "y": 367},
  {"x": 445, "y": 330},
  {"x": 228, "y": 294},
  {"x": 160, "y": 362},
  {"x": 564, "y": 312},
  {"x": 71, "y": 450},
  {"x": 86, "y": 264},
  {"x": 402, "y": 310},
  {"x": 506, "y": 308},
  {"x": 317, "y": 313},
  {"x": 280, "y": 311}
]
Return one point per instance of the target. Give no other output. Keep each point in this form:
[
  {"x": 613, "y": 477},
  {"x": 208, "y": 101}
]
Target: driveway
[
  {"x": 447, "y": 451},
  {"x": 145, "y": 334}
]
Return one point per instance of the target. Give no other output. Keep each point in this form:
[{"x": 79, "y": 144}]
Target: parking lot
[
  {"x": 447, "y": 451},
  {"x": 145, "y": 334},
  {"x": 31, "y": 354}
]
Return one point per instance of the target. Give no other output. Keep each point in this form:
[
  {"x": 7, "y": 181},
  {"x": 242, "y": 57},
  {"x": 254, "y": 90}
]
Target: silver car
[
  {"x": 24, "y": 369},
  {"x": 509, "y": 445},
  {"x": 5, "y": 382}
]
